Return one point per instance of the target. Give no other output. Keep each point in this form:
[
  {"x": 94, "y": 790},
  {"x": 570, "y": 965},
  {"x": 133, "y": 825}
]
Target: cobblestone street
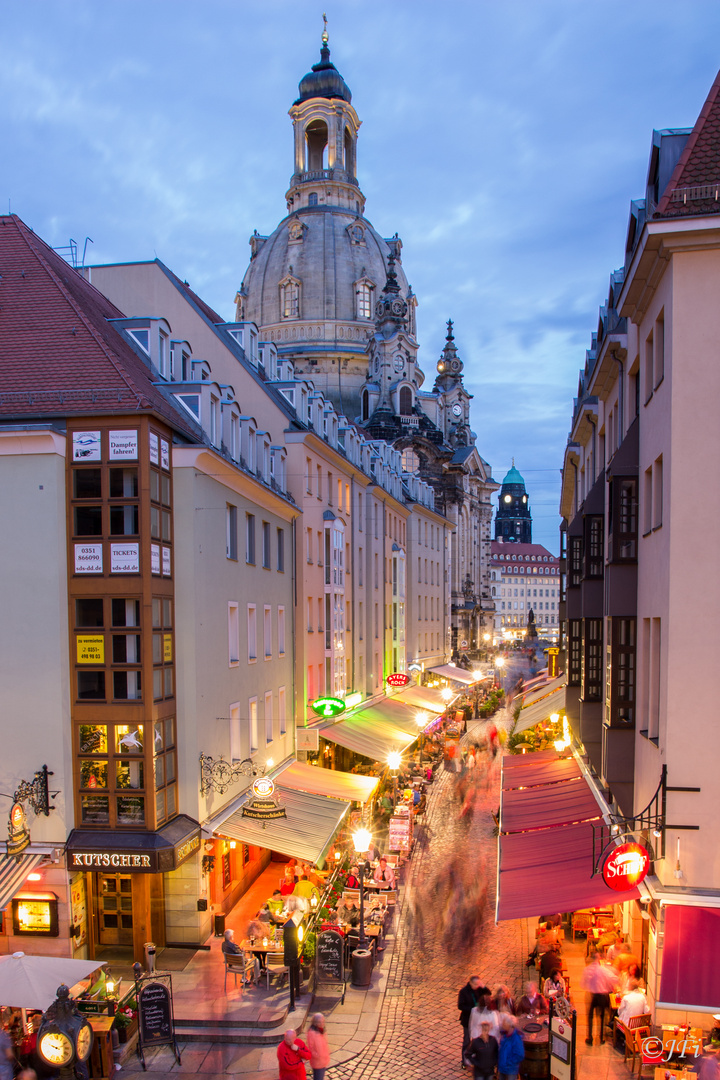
[{"x": 419, "y": 1034}]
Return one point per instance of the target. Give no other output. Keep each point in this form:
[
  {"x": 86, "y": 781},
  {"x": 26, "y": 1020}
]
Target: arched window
[
  {"x": 364, "y": 300},
  {"x": 312, "y": 198},
  {"x": 365, "y": 405},
  {"x": 316, "y": 138},
  {"x": 290, "y": 298},
  {"x": 410, "y": 461},
  {"x": 406, "y": 401}
]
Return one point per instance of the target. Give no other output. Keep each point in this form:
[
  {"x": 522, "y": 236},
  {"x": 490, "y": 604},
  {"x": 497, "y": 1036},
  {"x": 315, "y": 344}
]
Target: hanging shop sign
[
  {"x": 552, "y": 655},
  {"x": 18, "y": 832},
  {"x": 626, "y": 866},
  {"x": 307, "y": 739},
  {"x": 264, "y": 805},
  {"x": 328, "y": 706},
  {"x": 398, "y": 678}
]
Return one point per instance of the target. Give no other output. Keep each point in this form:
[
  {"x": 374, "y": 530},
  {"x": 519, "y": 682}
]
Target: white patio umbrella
[{"x": 31, "y": 982}]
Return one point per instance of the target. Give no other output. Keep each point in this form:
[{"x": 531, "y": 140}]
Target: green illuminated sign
[{"x": 328, "y": 706}]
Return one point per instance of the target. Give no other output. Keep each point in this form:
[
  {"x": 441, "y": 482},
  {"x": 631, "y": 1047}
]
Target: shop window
[
  {"x": 129, "y": 774},
  {"x": 87, "y": 521},
  {"x": 155, "y": 485},
  {"x": 130, "y": 810},
  {"x": 124, "y": 483},
  {"x": 93, "y": 739},
  {"x": 160, "y": 807},
  {"x": 124, "y": 520},
  {"x": 155, "y": 522},
  {"x": 168, "y": 682},
  {"x": 89, "y": 612},
  {"x": 91, "y": 685},
  {"x": 125, "y": 612},
  {"x": 159, "y": 736},
  {"x": 93, "y": 773},
  {"x": 95, "y": 809},
  {"x": 129, "y": 738},
  {"x": 87, "y": 484}
]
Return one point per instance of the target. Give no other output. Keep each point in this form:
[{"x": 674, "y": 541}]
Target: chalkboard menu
[
  {"x": 155, "y": 1014},
  {"x": 330, "y": 957}
]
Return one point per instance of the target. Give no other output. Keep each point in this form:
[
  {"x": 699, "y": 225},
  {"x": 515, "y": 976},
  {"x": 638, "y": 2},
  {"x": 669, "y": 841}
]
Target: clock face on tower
[
  {"x": 457, "y": 409},
  {"x": 55, "y": 1048},
  {"x": 508, "y": 498}
]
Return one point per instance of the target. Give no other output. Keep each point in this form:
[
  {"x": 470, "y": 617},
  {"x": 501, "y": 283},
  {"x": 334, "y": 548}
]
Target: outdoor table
[
  {"x": 687, "y": 1041},
  {"x": 536, "y": 1040}
]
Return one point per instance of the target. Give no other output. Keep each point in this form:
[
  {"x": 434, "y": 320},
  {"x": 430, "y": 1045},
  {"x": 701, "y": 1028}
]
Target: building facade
[
  {"x": 642, "y": 420},
  {"x": 524, "y": 578}
]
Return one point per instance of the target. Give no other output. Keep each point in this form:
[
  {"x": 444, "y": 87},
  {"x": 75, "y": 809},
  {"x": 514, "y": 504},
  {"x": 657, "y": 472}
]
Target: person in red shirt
[{"x": 292, "y": 1054}]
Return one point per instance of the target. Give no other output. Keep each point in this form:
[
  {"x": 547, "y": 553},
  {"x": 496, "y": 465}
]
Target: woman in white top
[{"x": 479, "y": 1016}]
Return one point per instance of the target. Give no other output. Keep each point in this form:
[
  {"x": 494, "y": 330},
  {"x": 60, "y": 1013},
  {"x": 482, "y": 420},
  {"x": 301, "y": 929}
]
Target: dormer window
[
  {"x": 290, "y": 298},
  {"x": 143, "y": 339},
  {"x": 163, "y": 357}
]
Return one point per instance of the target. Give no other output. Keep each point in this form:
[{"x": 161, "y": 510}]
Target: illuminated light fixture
[
  {"x": 446, "y": 694},
  {"x": 338, "y": 856},
  {"x": 677, "y": 872},
  {"x": 265, "y": 942},
  {"x": 269, "y": 763},
  {"x": 313, "y": 901},
  {"x": 657, "y": 832},
  {"x": 351, "y": 700},
  {"x": 301, "y": 933},
  {"x": 328, "y": 706},
  {"x": 361, "y": 839},
  {"x": 393, "y": 759},
  {"x": 422, "y": 719},
  {"x": 555, "y": 718},
  {"x": 559, "y": 745},
  {"x": 486, "y": 637},
  {"x": 500, "y": 661},
  {"x": 233, "y": 845},
  {"x": 645, "y": 913},
  {"x": 34, "y": 877}
]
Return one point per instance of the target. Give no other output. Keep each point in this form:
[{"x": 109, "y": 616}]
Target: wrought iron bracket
[
  {"x": 649, "y": 826},
  {"x": 217, "y": 774},
  {"x": 36, "y": 792}
]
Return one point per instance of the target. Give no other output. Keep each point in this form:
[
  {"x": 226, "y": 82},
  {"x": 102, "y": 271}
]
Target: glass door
[{"x": 115, "y": 917}]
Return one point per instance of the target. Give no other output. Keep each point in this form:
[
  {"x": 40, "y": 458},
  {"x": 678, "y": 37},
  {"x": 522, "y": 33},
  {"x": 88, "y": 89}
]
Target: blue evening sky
[{"x": 503, "y": 141}]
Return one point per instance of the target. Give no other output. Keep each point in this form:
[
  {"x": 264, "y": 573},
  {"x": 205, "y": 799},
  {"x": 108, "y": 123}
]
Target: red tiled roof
[
  {"x": 58, "y": 354},
  {"x": 696, "y": 177}
]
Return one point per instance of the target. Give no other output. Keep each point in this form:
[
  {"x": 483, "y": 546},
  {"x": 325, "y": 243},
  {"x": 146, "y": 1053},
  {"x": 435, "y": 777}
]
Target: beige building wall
[{"x": 34, "y": 664}]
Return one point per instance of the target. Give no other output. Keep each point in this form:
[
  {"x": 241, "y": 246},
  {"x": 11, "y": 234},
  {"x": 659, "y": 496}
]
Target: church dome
[
  {"x": 328, "y": 250},
  {"x": 323, "y": 81},
  {"x": 513, "y": 477}
]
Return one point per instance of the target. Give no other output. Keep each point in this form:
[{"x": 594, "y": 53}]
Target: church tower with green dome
[{"x": 513, "y": 521}]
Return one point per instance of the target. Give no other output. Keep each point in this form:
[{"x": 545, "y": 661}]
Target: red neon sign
[
  {"x": 398, "y": 678},
  {"x": 626, "y": 866}
]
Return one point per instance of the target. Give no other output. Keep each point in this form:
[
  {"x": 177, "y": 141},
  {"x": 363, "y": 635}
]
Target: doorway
[{"x": 114, "y": 909}]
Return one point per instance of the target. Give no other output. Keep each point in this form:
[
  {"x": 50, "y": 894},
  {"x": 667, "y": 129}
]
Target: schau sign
[{"x": 626, "y": 866}]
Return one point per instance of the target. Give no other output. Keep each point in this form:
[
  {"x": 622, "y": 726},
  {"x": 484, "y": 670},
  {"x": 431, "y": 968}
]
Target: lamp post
[
  {"x": 394, "y": 758},
  {"x": 361, "y": 840},
  {"x": 500, "y": 663}
]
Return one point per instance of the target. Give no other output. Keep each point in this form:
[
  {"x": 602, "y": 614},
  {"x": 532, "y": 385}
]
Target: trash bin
[
  {"x": 149, "y": 956},
  {"x": 219, "y": 925},
  {"x": 362, "y": 965}
]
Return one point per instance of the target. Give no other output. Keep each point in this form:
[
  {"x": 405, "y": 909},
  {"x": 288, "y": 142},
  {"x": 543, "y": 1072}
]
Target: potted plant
[
  {"x": 308, "y": 954},
  {"x": 125, "y": 1023}
]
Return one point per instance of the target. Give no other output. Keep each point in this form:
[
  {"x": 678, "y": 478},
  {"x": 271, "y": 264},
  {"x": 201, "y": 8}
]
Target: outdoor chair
[
  {"x": 239, "y": 964},
  {"x": 275, "y": 965},
  {"x": 581, "y": 922},
  {"x": 635, "y": 1030}
]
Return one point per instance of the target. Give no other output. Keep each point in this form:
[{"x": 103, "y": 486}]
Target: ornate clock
[{"x": 55, "y": 1047}]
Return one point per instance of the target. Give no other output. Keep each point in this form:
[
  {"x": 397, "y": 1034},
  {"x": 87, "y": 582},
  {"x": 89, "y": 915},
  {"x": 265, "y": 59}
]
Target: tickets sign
[{"x": 626, "y": 866}]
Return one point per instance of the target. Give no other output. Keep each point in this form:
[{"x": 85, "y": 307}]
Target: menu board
[
  {"x": 166, "y": 562},
  {"x": 155, "y": 1014},
  {"x": 330, "y": 957},
  {"x": 400, "y": 831}
]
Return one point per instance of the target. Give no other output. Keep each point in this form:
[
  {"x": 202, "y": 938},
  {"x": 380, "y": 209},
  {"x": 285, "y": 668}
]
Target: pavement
[{"x": 405, "y": 1025}]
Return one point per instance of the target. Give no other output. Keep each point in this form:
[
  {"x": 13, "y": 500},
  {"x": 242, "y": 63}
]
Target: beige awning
[
  {"x": 537, "y": 693},
  {"x": 305, "y": 833},
  {"x": 332, "y": 783},
  {"x": 467, "y": 678},
  {"x": 423, "y": 697},
  {"x": 371, "y": 737},
  {"x": 541, "y": 710}
]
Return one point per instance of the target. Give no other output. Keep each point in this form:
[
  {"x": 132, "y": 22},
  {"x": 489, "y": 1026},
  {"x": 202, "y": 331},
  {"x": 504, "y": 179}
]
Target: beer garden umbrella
[{"x": 31, "y": 982}]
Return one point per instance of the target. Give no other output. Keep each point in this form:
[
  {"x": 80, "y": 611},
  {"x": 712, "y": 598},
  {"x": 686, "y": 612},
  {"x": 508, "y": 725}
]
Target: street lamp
[
  {"x": 362, "y": 840},
  {"x": 446, "y": 694},
  {"x": 394, "y": 759}
]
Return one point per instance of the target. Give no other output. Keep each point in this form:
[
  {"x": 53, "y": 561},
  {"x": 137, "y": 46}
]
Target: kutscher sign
[{"x": 626, "y": 866}]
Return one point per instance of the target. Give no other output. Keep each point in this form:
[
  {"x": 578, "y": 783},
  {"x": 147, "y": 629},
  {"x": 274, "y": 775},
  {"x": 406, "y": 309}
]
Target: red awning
[
  {"x": 690, "y": 974},
  {"x": 551, "y": 871},
  {"x": 545, "y": 858},
  {"x": 545, "y": 805},
  {"x": 566, "y": 769}
]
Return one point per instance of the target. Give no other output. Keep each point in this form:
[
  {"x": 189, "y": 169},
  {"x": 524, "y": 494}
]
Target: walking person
[
  {"x": 318, "y": 1046},
  {"x": 511, "y": 1050},
  {"x": 471, "y": 996},
  {"x": 482, "y": 1054},
  {"x": 292, "y": 1054},
  {"x": 598, "y": 981}
]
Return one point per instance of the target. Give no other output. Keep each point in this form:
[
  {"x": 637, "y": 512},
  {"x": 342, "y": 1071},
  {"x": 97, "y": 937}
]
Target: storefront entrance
[{"x": 114, "y": 909}]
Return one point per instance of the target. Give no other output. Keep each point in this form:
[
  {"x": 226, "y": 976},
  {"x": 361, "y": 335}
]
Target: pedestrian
[
  {"x": 482, "y": 1053},
  {"x": 291, "y": 957},
  {"x": 598, "y": 981},
  {"x": 7, "y": 1056},
  {"x": 471, "y": 995},
  {"x": 318, "y": 1046},
  {"x": 292, "y": 1054},
  {"x": 511, "y": 1050}
]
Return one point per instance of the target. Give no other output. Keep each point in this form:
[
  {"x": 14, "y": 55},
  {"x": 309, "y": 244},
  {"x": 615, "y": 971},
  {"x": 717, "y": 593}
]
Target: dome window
[
  {"x": 290, "y": 298},
  {"x": 364, "y": 294},
  {"x": 410, "y": 461},
  {"x": 365, "y": 405}
]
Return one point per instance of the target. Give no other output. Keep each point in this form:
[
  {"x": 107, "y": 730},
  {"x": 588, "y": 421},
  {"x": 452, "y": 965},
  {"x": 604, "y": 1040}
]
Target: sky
[{"x": 502, "y": 141}]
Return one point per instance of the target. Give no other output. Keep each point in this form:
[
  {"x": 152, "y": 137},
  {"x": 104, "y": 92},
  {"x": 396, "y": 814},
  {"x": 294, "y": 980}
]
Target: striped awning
[
  {"x": 467, "y": 678},
  {"x": 368, "y": 735},
  {"x": 541, "y": 710},
  {"x": 329, "y": 782},
  {"x": 14, "y": 870},
  {"x": 305, "y": 833},
  {"x": 423, "y": 697}
]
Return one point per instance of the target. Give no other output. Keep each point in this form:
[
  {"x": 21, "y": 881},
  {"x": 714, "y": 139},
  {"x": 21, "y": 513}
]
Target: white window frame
[
  {"x": 267, "y": 632},
  {"x": 253, "y": 724},
  {"x": 233, "y": 634},
  {"x": 252, "y": 633},
  {"x": 282, "y": 709},
  {"x": 269, "y": 733},
  {"x": 281, "y": 630},
  {"x": 236, "y": 745}
]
